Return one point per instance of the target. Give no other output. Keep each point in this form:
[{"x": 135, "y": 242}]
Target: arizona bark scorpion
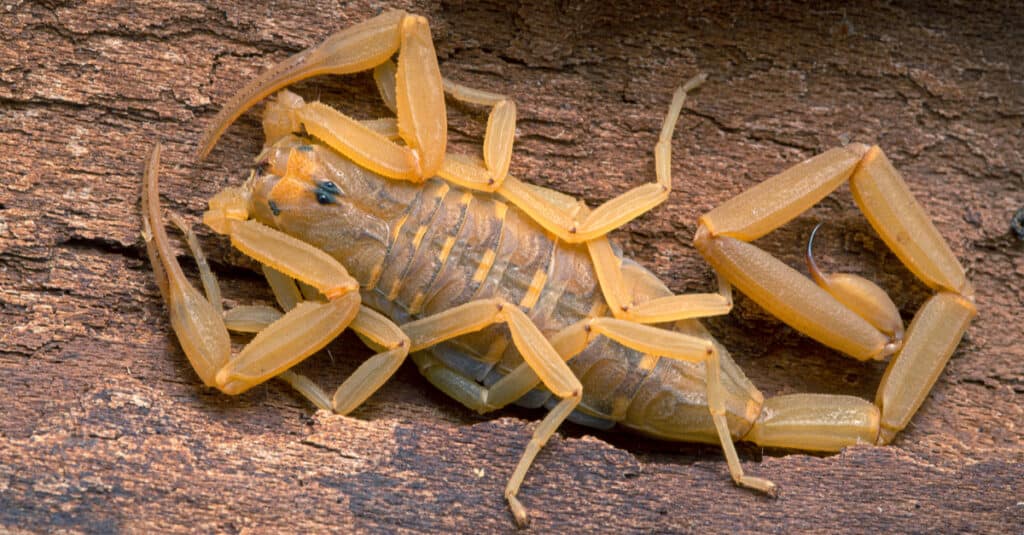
[{"x": 504, "y": 292}]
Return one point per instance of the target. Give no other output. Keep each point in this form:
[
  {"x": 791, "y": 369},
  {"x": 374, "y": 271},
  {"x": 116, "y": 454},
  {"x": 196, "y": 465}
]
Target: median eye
[{"x": 326, "y": 192}]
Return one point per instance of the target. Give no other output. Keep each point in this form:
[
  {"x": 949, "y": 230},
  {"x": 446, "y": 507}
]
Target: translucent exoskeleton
[{"x": 500, "y": 291}]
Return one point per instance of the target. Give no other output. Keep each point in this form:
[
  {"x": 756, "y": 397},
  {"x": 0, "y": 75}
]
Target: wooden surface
[{"x": 104, "y": 427}]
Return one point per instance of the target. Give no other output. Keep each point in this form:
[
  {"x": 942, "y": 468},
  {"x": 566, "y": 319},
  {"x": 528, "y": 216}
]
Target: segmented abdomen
[{"x": 455, "y": 246}]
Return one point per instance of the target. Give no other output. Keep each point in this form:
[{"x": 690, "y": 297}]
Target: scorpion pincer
[{"x": 503, "y": 292}]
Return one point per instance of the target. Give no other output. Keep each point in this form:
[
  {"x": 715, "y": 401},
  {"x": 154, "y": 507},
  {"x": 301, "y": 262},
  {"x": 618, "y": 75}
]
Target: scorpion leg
[
  {"x": 615, "y": 212},
  {"x": 576, "y": 226},
  {"x": 198, "y": 324},
  {"x": 673, "y": 345},
  {"x": 571, "y": 341},
  {"x": 537, "y": 354},
  {"x": 356, "y": 48},
  {"x": 286, "y": 292},
  {"x": 559, "y": 214},
  {"x": 384, "y": 76},
  {"x": 886, "y": 201},
  {"x": 501, "y": 127},
  {"x": 499, "y": 137},
  {"x": 622, "y": 301},
  {"x": 250, "y": 318},
  {"x": 624, "y": 304}
]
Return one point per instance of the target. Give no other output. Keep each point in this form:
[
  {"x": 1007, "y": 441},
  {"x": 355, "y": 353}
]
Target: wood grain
[{"x": 104, "y": 427}]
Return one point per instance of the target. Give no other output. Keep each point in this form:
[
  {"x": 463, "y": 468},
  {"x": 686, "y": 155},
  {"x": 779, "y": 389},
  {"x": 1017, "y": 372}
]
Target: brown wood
[{"x": 104, "y": 427}]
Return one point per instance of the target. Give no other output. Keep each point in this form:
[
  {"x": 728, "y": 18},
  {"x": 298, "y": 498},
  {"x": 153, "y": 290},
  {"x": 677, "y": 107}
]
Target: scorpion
[{"x": 504, "y": 292}]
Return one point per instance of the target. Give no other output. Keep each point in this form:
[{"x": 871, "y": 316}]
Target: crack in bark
[{"x": 77, "y": 242}]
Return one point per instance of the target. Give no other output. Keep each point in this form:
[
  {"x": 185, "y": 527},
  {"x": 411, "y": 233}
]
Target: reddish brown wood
[{"x": 104, "y": 427}]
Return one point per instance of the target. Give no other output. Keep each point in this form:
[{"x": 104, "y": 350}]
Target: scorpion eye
[
  {"x": 326, "y": 191},
  {"x": 330, "y": 187}
]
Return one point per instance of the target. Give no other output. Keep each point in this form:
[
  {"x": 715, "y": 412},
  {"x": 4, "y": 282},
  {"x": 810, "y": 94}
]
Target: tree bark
[{"x": 104, "y": 426}]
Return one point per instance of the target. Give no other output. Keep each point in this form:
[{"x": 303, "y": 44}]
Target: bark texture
[{"x": 104, "y": 427}]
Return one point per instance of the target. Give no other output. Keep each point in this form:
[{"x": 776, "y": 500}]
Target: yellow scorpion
[{"x": 504, "y": 292}]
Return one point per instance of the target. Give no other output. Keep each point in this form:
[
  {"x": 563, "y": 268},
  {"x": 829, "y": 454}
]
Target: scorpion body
[
  {"x": 504, "y": 292},
  {"x": 420, "y": 249}
]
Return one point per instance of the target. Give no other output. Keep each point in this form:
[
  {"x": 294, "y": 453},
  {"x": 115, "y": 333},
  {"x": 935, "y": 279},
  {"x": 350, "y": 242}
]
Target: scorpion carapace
[{"x": 504, "y": 292}]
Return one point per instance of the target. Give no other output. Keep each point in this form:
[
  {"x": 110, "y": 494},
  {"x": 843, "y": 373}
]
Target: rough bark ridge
[{"x": 104, "y": 426}]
